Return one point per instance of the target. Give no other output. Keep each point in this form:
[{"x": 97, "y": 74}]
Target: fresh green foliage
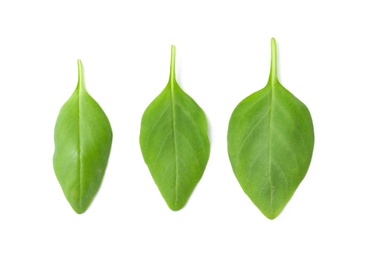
[
  {"x": 270, "y": 144},
  {"x": 83, "y": 139},
  {"x": 174, "y": 142}
]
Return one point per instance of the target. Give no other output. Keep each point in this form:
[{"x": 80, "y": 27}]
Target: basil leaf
[
  {"x": 270, "y": 144},
  {"x": 174, "y": 142},
  {"x": 83, "y": 139}
]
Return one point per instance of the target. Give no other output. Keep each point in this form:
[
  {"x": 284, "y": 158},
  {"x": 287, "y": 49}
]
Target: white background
[{"x": 223, "y": 55}]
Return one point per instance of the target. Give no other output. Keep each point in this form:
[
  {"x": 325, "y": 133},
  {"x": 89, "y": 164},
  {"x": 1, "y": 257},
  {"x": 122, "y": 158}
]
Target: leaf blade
[
  {"x": 270, "y": 144},
  {"x": 83, "y": 138},
  {"x": 174, "y": 142}
]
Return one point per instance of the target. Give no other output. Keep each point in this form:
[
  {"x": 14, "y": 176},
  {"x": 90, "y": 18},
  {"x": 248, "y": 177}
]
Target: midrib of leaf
[
  {"x": 172, "y": 84},
  {"x": 272, "y": 83},
  {"x": 80, "y": 86}
]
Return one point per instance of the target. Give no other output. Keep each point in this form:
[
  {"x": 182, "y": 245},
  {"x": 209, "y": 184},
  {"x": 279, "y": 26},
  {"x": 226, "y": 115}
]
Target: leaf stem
[
  {"x": 80, "y": 73},
  {"x": 172, "y": 64},
  {"x": 273, "y": 72}
]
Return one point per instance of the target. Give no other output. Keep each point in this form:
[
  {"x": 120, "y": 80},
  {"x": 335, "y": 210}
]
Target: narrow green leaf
[
  {"x": 174, "y": 142},
  {"x": 83, "y": 139},
  {"x": 270, "y": 144}
]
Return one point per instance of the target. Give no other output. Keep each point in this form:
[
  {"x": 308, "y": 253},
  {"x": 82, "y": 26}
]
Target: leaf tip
[
  {"x": 272, "y": 211},
  {"x": 176, "y": 203},
  {"x": 175, "y": 207},
  {"x": 79, "y": 209},
  {"x": 271, "y": 216},
  {"x": 79, "y": 212}
]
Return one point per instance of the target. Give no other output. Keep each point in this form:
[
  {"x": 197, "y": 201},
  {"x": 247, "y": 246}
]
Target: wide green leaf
[
  {"x": 270, "y": 144},
  {"x": 174, "y": 142},
  {"x": 83, "y": 139}
]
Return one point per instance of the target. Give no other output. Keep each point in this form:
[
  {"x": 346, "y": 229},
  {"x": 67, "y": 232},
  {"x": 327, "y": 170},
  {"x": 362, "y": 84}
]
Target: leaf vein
[
  {"x": 288, "y": 147},
  {"x": 174, "y": 134},
  {"x": 244, "y": 113},
  {"x": 269, "y": 150},
  {"x": 162, "y": 147},
  {"x": 250, "y": 131},
  {"x": 155, "y": 125},
  {"x": 294, "y": 124}
]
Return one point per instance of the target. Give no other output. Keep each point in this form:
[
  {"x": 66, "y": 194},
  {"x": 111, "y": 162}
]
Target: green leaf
[
  {"x": 83, "y": 139},
  {"x": 174, "y": 142},
  {"x": 270, "y": 144}
]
